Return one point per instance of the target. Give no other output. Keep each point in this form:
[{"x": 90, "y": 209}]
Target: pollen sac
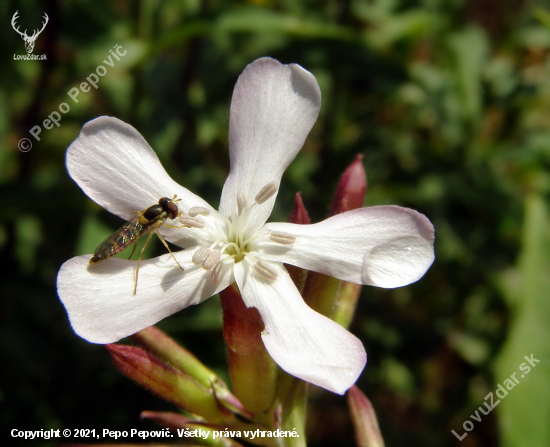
[
  {"x": 216, "y": 273},
  {"x": 193, "y": 222},
  {"x": 199, "y": 256},
  {"x": 211, "y": 259},
  {"x": 265, "y": 270},
  {"x": 266, "y": 192},
  {"x": 194, "y": 211},
  {"x": 280, "y": 237}
]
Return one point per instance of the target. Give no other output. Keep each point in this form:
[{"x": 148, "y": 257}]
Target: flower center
[{"x": 226, "y": 239}]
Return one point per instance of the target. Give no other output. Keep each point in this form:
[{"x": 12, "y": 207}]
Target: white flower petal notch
[{"x": 274, "y": 107}]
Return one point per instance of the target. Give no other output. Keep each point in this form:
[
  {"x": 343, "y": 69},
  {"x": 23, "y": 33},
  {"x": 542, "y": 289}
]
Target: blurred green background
[{"x": 448, "y": 101}]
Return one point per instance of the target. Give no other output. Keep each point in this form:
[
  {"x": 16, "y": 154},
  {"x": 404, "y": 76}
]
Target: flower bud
[
  {"x": 167, "y": 382},
  {"x": 167, "y": 350},
  {"x": 363, "y": 417},
  {"x": 252, "y": 370},
  {"x": 350, "y": 191},
  {"x": 299, "y": 214}
]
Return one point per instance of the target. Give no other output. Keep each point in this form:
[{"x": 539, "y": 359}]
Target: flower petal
[
  {"x": 384, "y": 246},
  {"x": 113, "y": 164},
  {"x": 99, "y": 299},
  {"x": 303, "y": 342},
  {"x": 274, "y": 106}
]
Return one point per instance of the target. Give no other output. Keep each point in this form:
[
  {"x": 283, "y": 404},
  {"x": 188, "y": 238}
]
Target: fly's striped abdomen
[
  {"x": 119, "y": 240},
  {"x": 146, "y": 222}
]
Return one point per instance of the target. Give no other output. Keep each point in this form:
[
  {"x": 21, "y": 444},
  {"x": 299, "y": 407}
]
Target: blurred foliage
[
  {"x": 526, "y": 289},
  {"x": 448, "y": 101}
]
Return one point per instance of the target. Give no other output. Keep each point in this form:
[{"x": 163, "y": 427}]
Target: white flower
[{"x": 273, "y": 109}]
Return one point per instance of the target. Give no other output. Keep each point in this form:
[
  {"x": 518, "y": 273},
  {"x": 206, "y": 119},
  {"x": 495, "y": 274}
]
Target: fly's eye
[{"x": 170, "y": 207}]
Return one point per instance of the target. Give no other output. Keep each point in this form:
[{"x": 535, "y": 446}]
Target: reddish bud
[
  {"x": 350, "y": 191},
  {"x": 363, "y": 417},
  {"x": 167, "y": 350},
  {"x": 299, "y": 214},
  {"x": 167, "y": 382},
  {"x": 252, "y": 370}
]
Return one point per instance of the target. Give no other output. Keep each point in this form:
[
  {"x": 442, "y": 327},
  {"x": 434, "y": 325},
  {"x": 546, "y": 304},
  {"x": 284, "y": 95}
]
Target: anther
[
  {"x": 199, "y": 256},
  {"x": 211, "y": 259},
  {"x": 266, "y": 270},
  {"x": 241, "y": 203},
  {"x": 196, "y": 210},
  {"x": 266, "y": 192},
  {"x": 216, "y": 273},
  {"x": 193, "y": 222},
  {"x": 282, "y": 238}
]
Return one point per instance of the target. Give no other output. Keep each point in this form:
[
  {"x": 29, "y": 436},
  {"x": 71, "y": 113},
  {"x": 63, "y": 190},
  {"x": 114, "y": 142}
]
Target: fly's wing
[{"x": 120, "y": 239}]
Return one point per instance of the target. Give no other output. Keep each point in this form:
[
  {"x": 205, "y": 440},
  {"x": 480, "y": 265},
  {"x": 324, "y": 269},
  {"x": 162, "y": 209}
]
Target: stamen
[
  {"x": 265, "y": 270},
  {"x": 266, "y": 192},
  {"x": 216, "y": 273},
  {"x": 196, "y": 210},
  {"x": 199, "y": 256},
  {"x": 224, "y": 225},
  {"x": 193, "y": 222},
  {"x": 211, "y": 259},
  {"x": 225, "y": 246},
  {"x": 241, "y": 203},
  {"x": 282, "y": 238}
]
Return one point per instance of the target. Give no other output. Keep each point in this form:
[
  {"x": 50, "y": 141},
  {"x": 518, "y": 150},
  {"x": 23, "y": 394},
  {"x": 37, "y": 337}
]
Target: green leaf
[
  {"x": 470, "y": 48},
  {"x": 523, "y": 412}
]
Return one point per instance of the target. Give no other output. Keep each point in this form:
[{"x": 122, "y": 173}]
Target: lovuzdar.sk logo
[{"x": 29, "y": 40}]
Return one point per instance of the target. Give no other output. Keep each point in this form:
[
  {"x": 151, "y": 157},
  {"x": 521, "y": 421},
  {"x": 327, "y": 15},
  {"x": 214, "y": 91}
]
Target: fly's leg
[
  {"x": 133, "y": 250},
  {"x": 175, "y": 226},
  {"x": 166, "y": 245},
  {"x": 139, "y": 260}
]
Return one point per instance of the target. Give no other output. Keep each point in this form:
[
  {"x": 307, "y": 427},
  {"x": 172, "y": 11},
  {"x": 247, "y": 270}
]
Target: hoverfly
[{"x": 146, "y": 222}]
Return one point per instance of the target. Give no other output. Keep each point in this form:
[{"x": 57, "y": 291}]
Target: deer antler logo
[{"x": 29, "y": 40}]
